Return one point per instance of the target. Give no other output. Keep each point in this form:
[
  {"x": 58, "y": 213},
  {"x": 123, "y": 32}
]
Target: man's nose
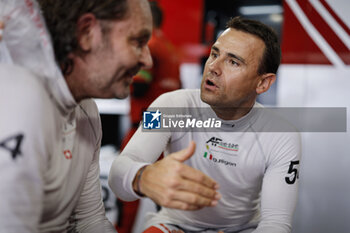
[
  {"x": 215, "y": 67},
  {"x": 146, "y": 58}
]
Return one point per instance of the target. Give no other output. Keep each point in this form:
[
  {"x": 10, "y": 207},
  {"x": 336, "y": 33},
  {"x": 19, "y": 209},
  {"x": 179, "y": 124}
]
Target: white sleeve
[
  {"x": 89, "y": 214},
  {"x": 143, "y": 148},
  {"x": 280, "y": 186},
  {"x": 23, "y": 150}
]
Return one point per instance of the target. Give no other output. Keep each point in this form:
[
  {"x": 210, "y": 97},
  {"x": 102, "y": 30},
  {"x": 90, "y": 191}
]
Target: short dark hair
[
  {"x": 272, "y": 54},
  {"x": 61, "y": 17},
  {"x": 157, "y": 14}
]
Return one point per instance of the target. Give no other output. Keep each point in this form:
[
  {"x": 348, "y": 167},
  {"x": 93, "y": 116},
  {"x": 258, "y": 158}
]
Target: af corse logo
[
  {"x": 152, "y": 120},
  {"x": 217, "y": 142}
]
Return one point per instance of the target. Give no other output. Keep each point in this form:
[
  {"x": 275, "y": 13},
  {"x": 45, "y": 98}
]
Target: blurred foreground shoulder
[{"x": 20, "y": 87}]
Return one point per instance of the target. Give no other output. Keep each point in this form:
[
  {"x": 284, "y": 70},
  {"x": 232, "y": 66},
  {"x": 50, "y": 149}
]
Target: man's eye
[
  {"x": 214, "y": 55},
  {"x": 140, "y": 43},
  {"x": 233, "y": 62}
]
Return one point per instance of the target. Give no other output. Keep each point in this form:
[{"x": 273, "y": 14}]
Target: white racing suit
[{"x": 49, "y": 144}]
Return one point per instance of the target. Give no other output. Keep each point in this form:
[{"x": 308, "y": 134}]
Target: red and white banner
[{"x": 315, "y": 72}]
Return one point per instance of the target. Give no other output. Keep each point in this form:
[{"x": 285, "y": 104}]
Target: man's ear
[
  {"x": 265, "y": 82},
  {"x": 87, "y": 27}
]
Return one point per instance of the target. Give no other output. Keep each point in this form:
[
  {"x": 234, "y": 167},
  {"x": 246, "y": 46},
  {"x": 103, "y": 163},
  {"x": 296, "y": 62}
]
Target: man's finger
[
  {"x": 175, "y": 204},
  {"x": 195, "y": 175},
  {"x": 195, "y": 187},
  {"x": 193, "y": 199},
  {"x": 184, "y": 154}
]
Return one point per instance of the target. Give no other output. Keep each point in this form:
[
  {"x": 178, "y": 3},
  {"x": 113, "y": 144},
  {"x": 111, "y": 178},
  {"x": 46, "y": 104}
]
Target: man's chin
[
  {"x": 124, "y": 92},
  {"x": 117, "y": 94},
  {"x": 206, "y": 99},
  {"x": 122, "y": 95}
]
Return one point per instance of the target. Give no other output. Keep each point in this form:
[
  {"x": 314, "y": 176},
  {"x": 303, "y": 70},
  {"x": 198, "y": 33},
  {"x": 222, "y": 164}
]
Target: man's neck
[
  {"x": 74, "y": 81},
  {"x": 232, "y": 113},
  {"x": 73, "y": 87}
]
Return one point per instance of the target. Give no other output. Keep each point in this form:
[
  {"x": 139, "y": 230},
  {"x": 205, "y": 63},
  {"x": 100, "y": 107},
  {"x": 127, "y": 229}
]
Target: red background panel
[
  {"x": 182, "y": 25},
  {"x": 297, "y": 46},
  {"x": 182, "y": 20}
]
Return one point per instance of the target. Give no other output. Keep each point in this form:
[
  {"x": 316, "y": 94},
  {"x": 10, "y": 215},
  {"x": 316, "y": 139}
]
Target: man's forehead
[
  {"x": 235, "y": 39},
  {"x": 141, "y": 10},
  {"x": 224, "y": 42},
  {"x": 139, "y": 7},
  {"x": 139, "y": 17},
  {"x": 232, "y": 34},
  {"x": 224, "y": 38}
]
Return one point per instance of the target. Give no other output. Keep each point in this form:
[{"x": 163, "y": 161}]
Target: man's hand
[{"x": 172, "y": 184}]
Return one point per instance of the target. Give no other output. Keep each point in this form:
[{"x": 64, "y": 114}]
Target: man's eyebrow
[
  {"x": 229, "y": 54},
  {"x": 143, "y": 34},
  {"x": 236, "y": 57},
  {"x": 215, "y": 48}
]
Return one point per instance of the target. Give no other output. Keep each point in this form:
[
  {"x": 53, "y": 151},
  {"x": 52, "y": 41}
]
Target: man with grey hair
[{"x": 51, "y": 131}]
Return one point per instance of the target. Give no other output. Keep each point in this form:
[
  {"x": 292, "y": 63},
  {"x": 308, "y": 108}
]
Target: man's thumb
[{"x": 184, "y": 154}]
